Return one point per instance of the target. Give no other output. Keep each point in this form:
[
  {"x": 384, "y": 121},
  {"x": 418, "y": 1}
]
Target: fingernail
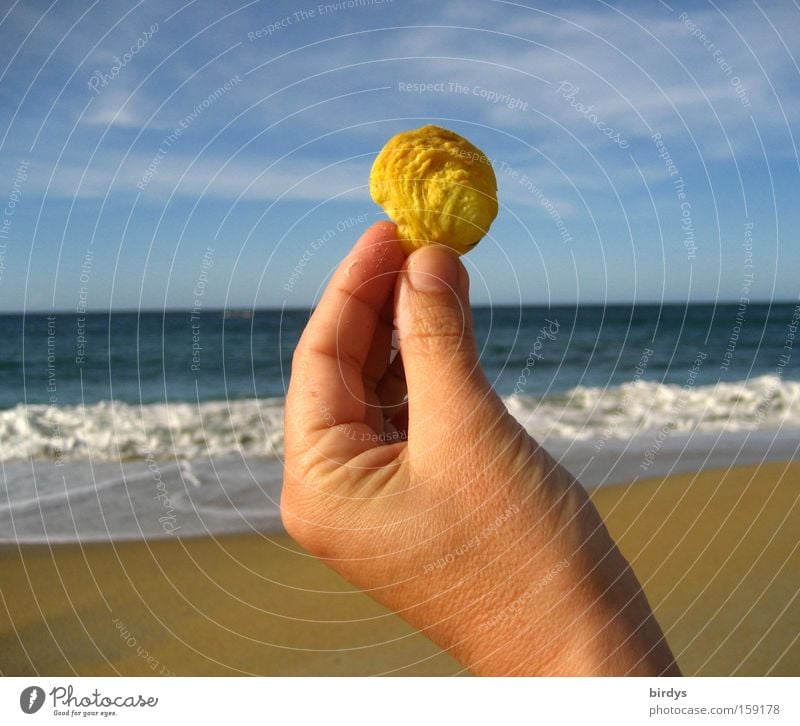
[{"x": 433, "y": 269}]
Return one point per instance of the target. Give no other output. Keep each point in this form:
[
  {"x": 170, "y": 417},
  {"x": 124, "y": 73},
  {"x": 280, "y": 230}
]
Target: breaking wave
[{"x": 112, "y": 430}]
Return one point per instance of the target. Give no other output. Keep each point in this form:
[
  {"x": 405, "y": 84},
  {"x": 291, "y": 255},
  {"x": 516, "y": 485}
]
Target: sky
[{"x": 216, "y": 154}]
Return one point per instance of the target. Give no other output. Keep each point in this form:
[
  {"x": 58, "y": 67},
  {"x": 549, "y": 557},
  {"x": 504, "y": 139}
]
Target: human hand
[{"x": 444, "y": 509}]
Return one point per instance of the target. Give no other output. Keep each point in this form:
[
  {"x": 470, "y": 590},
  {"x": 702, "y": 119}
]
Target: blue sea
[{"x": 168, "y": 423}]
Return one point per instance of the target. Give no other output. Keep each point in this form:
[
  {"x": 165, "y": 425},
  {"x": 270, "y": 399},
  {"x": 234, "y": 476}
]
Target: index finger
[{"x": 327, "y": 388}]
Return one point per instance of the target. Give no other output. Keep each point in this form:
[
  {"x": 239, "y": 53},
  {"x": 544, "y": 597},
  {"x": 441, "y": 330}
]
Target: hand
[{"x": 444, "y": 509}]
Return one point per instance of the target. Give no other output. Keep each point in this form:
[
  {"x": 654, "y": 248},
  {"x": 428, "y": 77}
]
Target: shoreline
[
  {"x": 149, "y": 499},
  {"x": 716, "y": 551}
]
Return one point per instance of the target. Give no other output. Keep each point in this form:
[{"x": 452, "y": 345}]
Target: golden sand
[{"x": 717, "y": 553}]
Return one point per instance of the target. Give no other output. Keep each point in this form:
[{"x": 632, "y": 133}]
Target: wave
[
  {"x": 110, "y": 431},
  {"x": 763, "y": 403}
]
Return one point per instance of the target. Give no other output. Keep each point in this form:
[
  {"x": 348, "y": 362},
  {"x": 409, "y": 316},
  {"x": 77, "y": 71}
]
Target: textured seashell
[{"x": 436, "y": 187}]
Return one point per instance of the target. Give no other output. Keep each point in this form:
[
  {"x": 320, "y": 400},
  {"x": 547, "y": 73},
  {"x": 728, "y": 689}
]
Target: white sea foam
[
  {"x": 763, "y": 403},
  {"x": 110, "y": 431}
]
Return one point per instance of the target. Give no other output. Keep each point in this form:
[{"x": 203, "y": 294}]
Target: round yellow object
[{"x": 437, "y": 187}]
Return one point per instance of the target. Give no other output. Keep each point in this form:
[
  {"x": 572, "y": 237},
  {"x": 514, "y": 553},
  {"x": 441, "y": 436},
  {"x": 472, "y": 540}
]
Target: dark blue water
[{"x": 151, "y": 357}]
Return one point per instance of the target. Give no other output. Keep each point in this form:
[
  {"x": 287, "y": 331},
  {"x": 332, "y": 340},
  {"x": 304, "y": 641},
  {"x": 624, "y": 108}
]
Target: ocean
[{"x": 126, "y": 425}]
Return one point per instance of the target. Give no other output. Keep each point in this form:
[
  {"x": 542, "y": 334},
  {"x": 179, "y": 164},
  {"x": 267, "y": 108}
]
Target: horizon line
[{"x": 240, "y": 308}]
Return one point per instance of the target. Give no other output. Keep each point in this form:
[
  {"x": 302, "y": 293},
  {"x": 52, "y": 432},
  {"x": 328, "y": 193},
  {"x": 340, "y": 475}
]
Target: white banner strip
[{"x": 400, "y": 701}]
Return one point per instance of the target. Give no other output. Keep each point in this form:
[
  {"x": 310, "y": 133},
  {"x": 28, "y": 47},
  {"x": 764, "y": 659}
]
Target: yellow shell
[{"x": 437, "y": 187}]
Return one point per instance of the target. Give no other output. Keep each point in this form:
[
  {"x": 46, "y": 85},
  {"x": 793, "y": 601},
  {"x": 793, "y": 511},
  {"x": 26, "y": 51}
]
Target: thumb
[{"x": 434, "y": 324}]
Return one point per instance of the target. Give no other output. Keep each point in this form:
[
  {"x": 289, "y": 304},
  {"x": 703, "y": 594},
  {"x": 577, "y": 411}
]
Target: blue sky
[{"x": 127, "y": 162}]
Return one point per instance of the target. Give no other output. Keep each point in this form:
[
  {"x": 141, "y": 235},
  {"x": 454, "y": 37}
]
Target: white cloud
[
  {"x": 113, "y": 108},
  {"x": 622, "y": 69}
]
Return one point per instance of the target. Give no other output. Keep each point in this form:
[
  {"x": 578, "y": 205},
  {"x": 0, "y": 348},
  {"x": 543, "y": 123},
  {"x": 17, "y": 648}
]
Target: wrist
[
  {"x": 547, "y": 596},
  {"x": 567, "y": 618}
]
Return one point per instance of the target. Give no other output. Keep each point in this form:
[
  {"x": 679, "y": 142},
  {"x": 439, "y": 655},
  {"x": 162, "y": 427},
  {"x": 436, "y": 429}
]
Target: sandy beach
[{"x": 716, "y": 551}]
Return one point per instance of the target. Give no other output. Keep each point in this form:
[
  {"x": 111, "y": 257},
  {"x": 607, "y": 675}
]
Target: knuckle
[{"x": 437, "y": 329}]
